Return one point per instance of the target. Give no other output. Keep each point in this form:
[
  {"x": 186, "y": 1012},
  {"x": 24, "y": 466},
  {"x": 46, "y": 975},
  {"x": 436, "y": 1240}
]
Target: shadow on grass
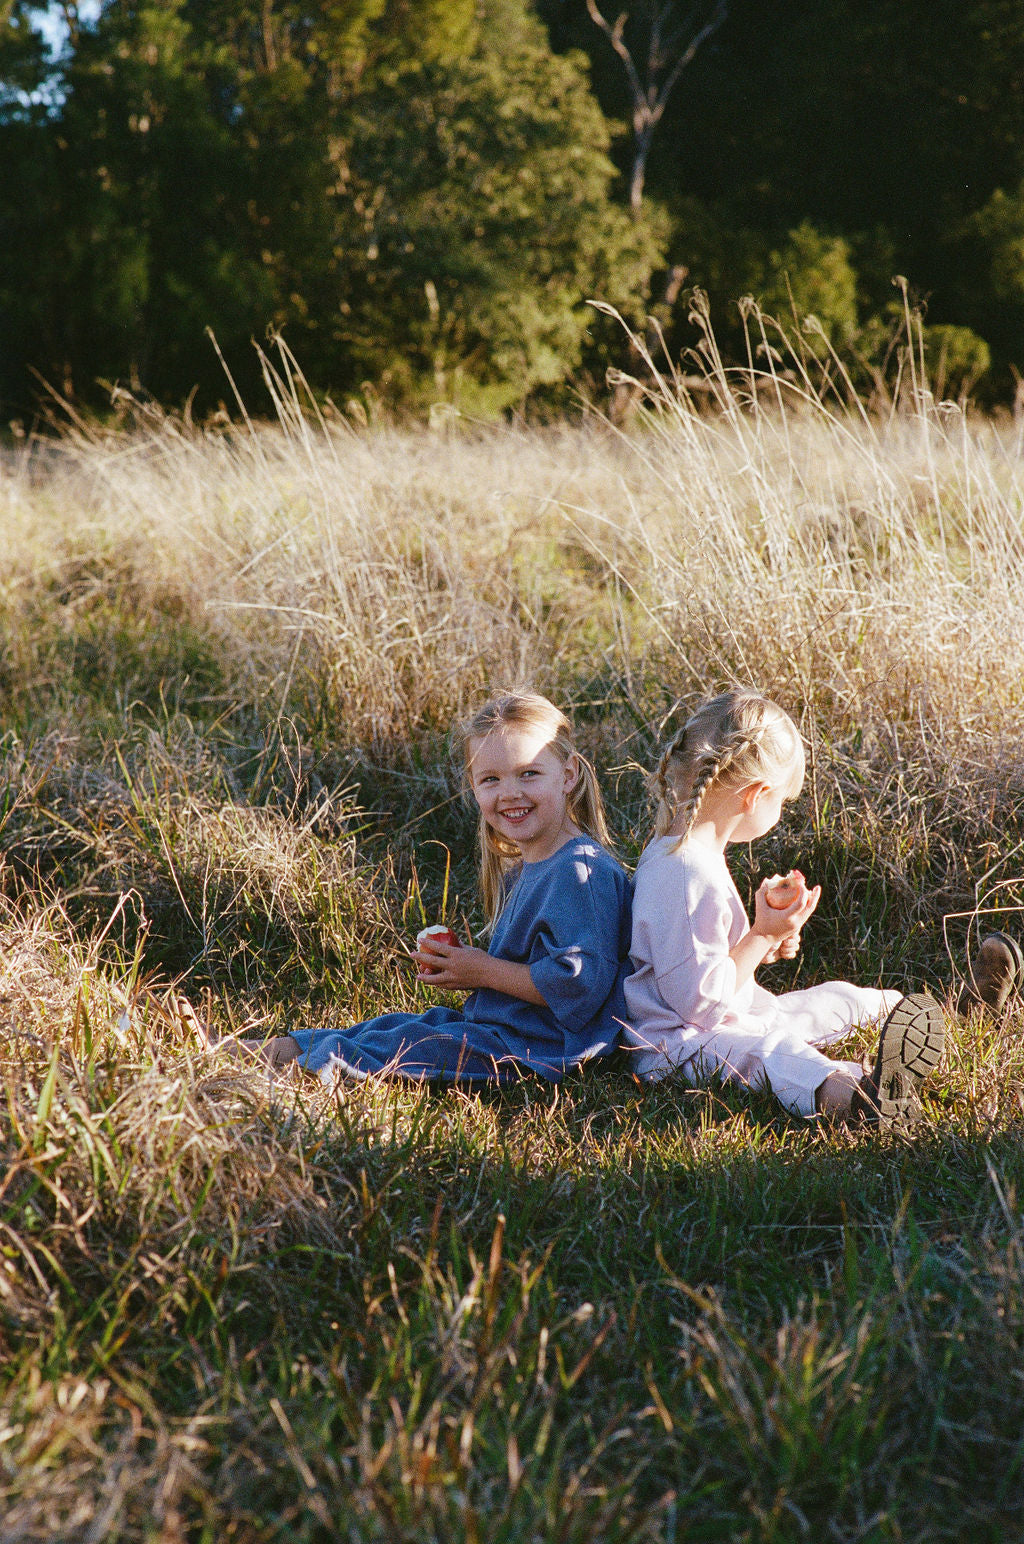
[{"x": 591, "y": 1312}]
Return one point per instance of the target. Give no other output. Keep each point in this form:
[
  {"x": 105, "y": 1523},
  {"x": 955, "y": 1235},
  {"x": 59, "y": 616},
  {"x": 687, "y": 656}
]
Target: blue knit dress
[{"x": 568, "y": 918}]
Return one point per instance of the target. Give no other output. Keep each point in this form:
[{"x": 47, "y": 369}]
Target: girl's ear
[
  {"x": 752, "y": 795},
  {"x": 571, "y": 773}
]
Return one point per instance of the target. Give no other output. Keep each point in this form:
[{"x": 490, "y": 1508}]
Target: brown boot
[
  {"x": 994, "y": 972},
  {"x": 910, "y": 1046}
]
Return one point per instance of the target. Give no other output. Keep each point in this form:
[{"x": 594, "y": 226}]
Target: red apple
[
  {"x": 436, "y": 930},
  {"x": 785, "y": 891}
]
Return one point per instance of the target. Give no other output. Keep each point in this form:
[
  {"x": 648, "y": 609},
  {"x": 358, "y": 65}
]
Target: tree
[
  {"x": 476, "y": 222},
  {"x": 416, "y": 190},
  {"x": 29, "y": 202},
  {"x": 811, "y": 275},
  {"x": 990, "y": 246},
  {"x": 23, "y": 63},
  {"x": 667, "y": 42}
]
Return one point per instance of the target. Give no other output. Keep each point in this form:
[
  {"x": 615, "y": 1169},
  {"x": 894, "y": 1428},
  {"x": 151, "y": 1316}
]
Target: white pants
[{"x": 774, "y": 1042}]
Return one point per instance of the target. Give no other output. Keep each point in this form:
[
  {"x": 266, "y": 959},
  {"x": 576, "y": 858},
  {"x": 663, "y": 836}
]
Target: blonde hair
[
  {"x": 736, "y": 738},
  {"x": 583, "y": 803}
]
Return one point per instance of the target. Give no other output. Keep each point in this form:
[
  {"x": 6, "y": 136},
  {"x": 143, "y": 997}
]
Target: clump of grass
[
  {"x": 158, "y": 846},
  {"x": 234, "y": 1304}
]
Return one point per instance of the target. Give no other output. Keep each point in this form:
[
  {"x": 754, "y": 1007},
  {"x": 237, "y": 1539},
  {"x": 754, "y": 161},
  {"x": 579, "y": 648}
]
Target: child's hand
[
  {"x": 452, "y": 967},
  {"x": 462, "y": 968},
  {"x": 437, "y": 932},
  {"x": 785, "y": 949},
  {"x": 783, "y": 923}
]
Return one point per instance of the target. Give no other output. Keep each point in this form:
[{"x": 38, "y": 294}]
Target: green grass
[
  {"x": 603, "y": 1313},
  {"x": 239, "y": 1309}
]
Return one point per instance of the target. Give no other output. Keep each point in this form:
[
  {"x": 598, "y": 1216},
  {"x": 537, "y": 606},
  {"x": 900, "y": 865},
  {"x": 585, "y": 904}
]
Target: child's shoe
[
  {"x": 909, "y": 1047},
  {"x": 995, "y": 970}
]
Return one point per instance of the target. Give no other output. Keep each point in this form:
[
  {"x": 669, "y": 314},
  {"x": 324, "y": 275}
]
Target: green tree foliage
[
  {"x": 811, "y": 275},
  {"x": 22, "y": 62},
  {"x": 158, "y": 242},
  {"x": 475, "y": 228},
  {"x": 1000, "y": 225},
  {"x": 420, "y": 191},
  {"x": 887, "y": 124},
  {"x": 989, "y": 273},
  {"x": 416, "y": 190},
  {"x": 29, "y": 201},
  {"x": 955, "y": 359}
]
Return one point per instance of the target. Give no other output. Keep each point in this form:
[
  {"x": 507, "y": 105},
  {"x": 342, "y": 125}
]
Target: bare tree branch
[
  {"x": 614, "y": 36},
  {"x": 712, "y": 24},
  {"x": 667, "y": 58}
]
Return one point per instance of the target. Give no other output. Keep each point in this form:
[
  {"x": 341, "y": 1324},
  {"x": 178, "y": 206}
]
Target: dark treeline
[{"x": 424, "y": 194}]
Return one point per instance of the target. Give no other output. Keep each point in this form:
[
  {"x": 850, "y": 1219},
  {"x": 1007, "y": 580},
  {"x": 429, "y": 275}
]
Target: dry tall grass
[
  {"x": 348, "y": 595},
  {"x": 867, "y": 569}
]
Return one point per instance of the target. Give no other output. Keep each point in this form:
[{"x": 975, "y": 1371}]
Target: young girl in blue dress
[{"x": 546, "y": 994}]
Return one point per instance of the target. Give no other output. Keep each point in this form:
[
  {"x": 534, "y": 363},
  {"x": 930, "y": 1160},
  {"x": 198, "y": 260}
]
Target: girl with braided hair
[{"x": 692, "y": 1001}]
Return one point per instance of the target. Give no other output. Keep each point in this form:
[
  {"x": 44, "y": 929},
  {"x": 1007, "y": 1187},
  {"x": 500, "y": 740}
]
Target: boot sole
[{"x": 910, "y": 1046}]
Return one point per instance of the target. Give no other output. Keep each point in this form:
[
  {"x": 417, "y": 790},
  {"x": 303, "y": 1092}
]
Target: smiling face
[{"x": 521, "y": 784}]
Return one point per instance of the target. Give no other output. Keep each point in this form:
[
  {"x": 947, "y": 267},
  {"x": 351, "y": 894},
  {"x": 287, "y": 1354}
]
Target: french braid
[
  {"x": 735, "y": 738},
  {"x": 668, "y": 799},
  {"x": 705, "y": 777}
]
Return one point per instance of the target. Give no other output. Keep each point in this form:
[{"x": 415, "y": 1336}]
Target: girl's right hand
[
  {"x": 454, "y": 967},
  {"x": 464, "y": 968}
]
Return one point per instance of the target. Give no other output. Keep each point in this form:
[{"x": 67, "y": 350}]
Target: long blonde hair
[
  {"x": 736, "y": 738},
  {"x": 583, "y": 803}
]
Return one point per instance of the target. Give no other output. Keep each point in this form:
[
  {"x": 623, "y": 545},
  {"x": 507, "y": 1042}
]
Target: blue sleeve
[{"x": 581, "y": 938}]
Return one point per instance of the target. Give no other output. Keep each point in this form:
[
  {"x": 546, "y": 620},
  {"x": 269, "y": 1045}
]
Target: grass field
[{"x": 233, "y": 1309}]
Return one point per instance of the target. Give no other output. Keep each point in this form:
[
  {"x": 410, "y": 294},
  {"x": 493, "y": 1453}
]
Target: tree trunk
[{"x": 641, "y": 146}]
